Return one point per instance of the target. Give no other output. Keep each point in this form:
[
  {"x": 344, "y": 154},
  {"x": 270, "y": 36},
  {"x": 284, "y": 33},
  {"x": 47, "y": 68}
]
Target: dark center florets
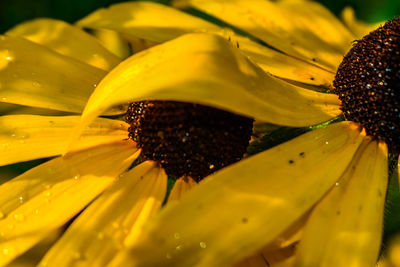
[
  {"x": 368, "y": 84},
  {"x": 188, "y": 139}
]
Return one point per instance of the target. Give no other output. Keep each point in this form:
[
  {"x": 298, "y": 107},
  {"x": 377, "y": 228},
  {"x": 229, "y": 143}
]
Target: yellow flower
[{"x": 326, "y": 186}]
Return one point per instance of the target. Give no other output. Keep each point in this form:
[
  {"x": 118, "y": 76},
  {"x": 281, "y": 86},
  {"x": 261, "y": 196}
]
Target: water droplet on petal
[
  {"x": 21, "y": 199},
  {"x": 19, "y": 216},
  {"x": 5, "y": 251},
  {"x": 177, "y": 235},
  {"x": 100, "y": 236},
  {"x": 36, "y": 84},
  {"x": 203, "y": 244},
  {"x": 77, "y": 255}
]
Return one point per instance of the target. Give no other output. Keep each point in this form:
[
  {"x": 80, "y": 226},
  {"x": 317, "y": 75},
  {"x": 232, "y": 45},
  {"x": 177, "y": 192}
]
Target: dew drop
[
  {"x": 5, "y": 251},
  {"x": 77, "y": 176},
  {"x": 203, "y": 244},
  {"x": 36, "y": 84},
  {"x": 326, "y": 142},
  {"x": 337, "y": 183},
  {"x": 100, "y": 236},
  {"x": 177, "y": 236},
  {"x": 179, "y": 247},
  {"x": 95, "y": 85},
  {"x": 19, "y": 217},
  {"x": 77, "y": 255},
  {"x": 21, "y": 199}
]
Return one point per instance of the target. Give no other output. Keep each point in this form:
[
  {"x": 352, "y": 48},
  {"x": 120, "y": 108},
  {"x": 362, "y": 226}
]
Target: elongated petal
[
  {"x": 345, "y": 228},
  {"x": 27, "y": 137},
  {"x": 282, "y": 65},
  {"x": 242, "y": 208},
  {"x": 146, "y": 20},
  {"x": 67, "y": 40},
  {"x": 207, "y": 69},
  {"x": 47, "y": 196},
  {"x": 358, "y": 28},
  {"x": 181, "y": 187},
  {"x": 36, "y": 76},
  {"x": 312, "y": 33},
  {"x": 102, "y": 229},
  {"x": 134, "y": 20},
  {"x": 113, "y": 41}
]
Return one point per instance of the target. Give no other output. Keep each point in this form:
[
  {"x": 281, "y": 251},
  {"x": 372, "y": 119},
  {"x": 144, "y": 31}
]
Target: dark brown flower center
[
  {"x": 368, "y": 84},
  {"x": 188, "y": 139}
]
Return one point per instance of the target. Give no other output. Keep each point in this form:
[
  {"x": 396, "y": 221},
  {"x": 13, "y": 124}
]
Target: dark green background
[{"x": 15, "y": 11}]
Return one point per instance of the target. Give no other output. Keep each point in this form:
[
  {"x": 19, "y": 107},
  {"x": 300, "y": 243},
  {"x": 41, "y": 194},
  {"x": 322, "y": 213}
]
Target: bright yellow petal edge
[
  {"x": 207, "y": 69},
  {"x": 242, "y": 208}
]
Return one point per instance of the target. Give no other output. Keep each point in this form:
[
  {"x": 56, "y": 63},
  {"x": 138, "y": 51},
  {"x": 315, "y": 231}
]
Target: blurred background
[{"x": 15, "y": 11}]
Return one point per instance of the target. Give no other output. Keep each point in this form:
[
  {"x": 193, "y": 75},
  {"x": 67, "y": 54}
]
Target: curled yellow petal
[
  {"x": 249, "y": 204},
  {"x": 207, "y": 69}
]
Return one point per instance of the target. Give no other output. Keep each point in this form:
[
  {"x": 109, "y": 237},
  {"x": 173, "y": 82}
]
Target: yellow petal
[
  {"x": 207, "y": 69},
  {"x": 27, "y": 137},
  {"x": 163, "y": 23},
  {"x": 357, "y": 27},
  {"x": 181, "y": 187},
  {"x": 249, "y": 203},
  {"x": 47, "y": 196},
  {"x": 145, "y": 20},
  {"x": 32, "y": 256},
  {"x": 36, "y": 76},
  {"x": 312, "y": 33},
  {"x": 282, "y": 65},
  {"x": 117, "y": 215},
  {"x": 113, "y": 41},
  {"x": 67, "y": 40},
  {"x": 345, "y": 228}
]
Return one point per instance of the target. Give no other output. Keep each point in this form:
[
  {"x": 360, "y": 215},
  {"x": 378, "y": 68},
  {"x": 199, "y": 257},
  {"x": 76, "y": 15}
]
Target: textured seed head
[
  {"x": 188, "y": 139},
  {"x": 368, "y": 84}
]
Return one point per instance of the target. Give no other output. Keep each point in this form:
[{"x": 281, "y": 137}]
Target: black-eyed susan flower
[{"x": 326, "y": 187}]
